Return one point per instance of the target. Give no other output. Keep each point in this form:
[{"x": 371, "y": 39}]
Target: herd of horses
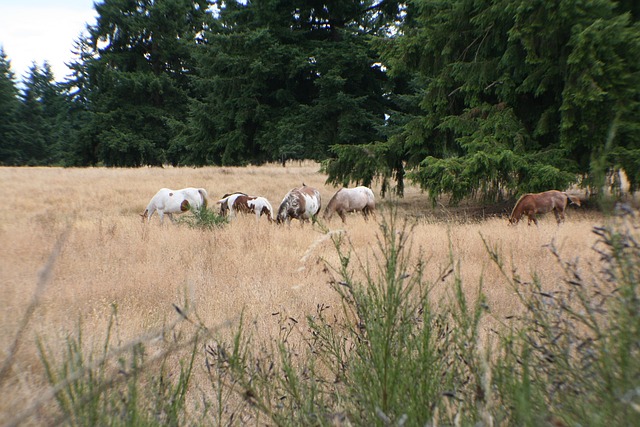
[
  {"x": 301, "y": 203},
  {"x": 304, "y": 204}
]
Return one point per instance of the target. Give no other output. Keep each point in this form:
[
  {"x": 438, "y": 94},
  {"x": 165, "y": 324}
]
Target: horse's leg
[
  {"x": 161, "y": 216},
  {"x": 559, "y": 213},
  {"x": 343, "y": 216}
]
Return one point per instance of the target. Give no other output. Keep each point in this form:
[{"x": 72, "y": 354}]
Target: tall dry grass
[{"x": 109, "y": 258}]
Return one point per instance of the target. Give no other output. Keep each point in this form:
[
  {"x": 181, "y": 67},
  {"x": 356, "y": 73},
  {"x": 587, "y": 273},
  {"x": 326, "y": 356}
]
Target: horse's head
[
  {"x": 224, "y": 206},
  {"x": 282, "y": 216},
  {"x": 144, "y": 215},
  {"x": 266, "y": 210},
  {"x": 283, "y": 211}
]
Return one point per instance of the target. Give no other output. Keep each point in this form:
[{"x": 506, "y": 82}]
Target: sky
[{"x": 39, "y": 30}]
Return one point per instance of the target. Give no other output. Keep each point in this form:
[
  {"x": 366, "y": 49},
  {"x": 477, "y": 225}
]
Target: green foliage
[
  {"x": 135, "y": 71},
  {"x": 362, "y": 163},
  {"x": 119, "y": 384},
  {"x": 362, "y": 365},
  {"x": 537, "y": 81},
  {"x": 467, "y": 99},
  {"x": 11, "y": 128},
  {"x": 573, "y": 357},
  {"x": 34, "y": 118},
  {"x": 286, "y": 81},
  {"x": 203, "y": 218}
]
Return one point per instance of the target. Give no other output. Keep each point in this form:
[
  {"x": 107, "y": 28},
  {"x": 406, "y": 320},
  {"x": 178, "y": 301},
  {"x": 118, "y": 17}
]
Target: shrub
[
  {"x": 204, "y": 218},
  {"x": 573, "y": 357},
  {"x": 391, "y": 357}
]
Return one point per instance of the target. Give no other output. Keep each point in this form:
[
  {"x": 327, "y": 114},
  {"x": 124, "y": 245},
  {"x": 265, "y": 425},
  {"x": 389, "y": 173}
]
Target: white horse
[
  {"x": 351, "y": 200},
  {"x": 167, "y": 201}
]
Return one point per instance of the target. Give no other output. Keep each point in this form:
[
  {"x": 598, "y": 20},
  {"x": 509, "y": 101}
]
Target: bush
[
  {"x": 393, "y": 357},
  {"x": 574, "y": 356},
  {"x": 204, "y": 218}
]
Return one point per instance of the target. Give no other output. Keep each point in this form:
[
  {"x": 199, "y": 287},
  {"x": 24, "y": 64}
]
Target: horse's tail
[
  {"x": 572, "y": 199},
  {"x": 204, "y": 195}
]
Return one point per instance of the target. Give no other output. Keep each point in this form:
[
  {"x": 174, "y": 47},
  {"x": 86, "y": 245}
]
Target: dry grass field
[{"x": 108, "y": 258}]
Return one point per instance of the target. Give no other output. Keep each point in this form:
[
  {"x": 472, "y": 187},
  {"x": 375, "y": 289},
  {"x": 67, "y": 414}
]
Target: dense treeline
[{"x": 464, "y": 97}]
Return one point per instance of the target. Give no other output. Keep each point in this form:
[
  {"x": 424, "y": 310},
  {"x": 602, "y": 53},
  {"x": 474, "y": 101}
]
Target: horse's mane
[
  {"x": 518, "y": 203},
  {"x": 333, "y": 200}
]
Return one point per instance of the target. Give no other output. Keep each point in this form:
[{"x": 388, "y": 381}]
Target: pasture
[{"x": 109, "y": 259}]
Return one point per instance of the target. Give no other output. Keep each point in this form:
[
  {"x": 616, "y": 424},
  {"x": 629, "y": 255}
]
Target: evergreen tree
[
  {"x": 42, "y": 114},
  {"x": 81, "y": 142},
  {"x": 288, "y": 79},
  {"x": 11, "y": 130},
  {"x": 516, "y": 96},
  {"x": 138, "y": 77}
]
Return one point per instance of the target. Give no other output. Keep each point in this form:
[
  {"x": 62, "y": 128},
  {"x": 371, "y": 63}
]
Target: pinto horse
[
  {"x": 541, "y": 203},
  {"x": 351, "y": 200},
  {"x": 227, "y": 201},
  {"x": 302, "y": 203},
  {"x": 240, "y": 202},
  {"x": 167, "y": 201}
]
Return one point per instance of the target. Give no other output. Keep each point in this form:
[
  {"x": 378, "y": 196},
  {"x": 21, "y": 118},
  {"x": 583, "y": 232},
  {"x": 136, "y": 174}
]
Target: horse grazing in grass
[
  {"x": 240, "y": 202},
  {"x": 541, "y": 203},
  {"x": 169, "y": 202},
  {"x": 351, "y": 200},
  {"x": 227, "y": 201},
  {"x": 302, "y": 203}
]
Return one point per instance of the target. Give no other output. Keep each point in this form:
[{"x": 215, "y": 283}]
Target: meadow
[{"x": 75, "y": 251}]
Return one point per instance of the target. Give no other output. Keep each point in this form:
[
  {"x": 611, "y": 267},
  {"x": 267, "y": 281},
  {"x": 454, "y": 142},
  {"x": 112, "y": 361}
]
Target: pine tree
[
  {"x": 288, "y": 79},
  {"x": 10, "y": 128},
  {"x": 516, "y": 96},
  {"x": 79, "y": 146},
  {"x": 43, "y": 115},
  {"x": 138, "y": 77}
]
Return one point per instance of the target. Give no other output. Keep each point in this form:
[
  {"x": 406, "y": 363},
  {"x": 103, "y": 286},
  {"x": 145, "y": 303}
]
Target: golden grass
[{"x": 111, "y": 258}]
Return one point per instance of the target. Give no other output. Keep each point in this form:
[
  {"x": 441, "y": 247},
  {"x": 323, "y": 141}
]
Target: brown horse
[{"x": 541, "y": 203}]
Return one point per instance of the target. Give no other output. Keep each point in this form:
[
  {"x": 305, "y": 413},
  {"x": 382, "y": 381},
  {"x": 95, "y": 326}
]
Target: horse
[
  {"x": 540, "y": 203},
  {"x": 167, "y": 201},
  {"x": 302, "y": 203},
  {"x": 241, "y": 202},
  {"x": 351, "y": 200},
  {"x": 227, "y": 200}
]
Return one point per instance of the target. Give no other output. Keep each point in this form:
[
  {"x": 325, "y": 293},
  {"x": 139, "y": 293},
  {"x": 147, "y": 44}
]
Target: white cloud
[{"x": 42, "y": 30}]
